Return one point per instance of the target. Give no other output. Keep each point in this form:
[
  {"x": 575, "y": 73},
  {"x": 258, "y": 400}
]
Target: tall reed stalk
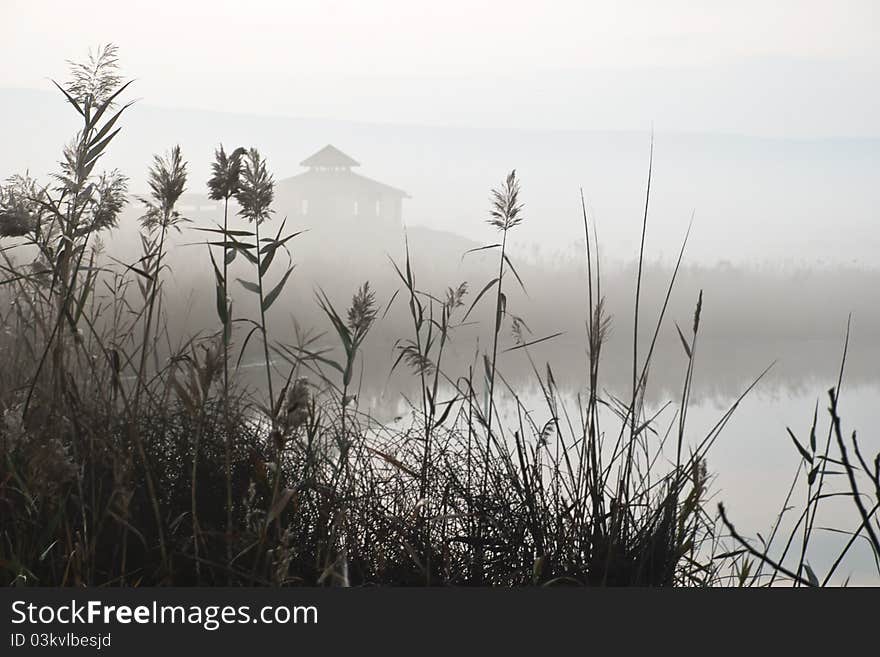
[
  {"x": 506, "y": 214},
  {"x": 167, "y": 181},
  {"x": 222, "y": 186},
  {"x": 113, "y": 461},
  {"x": 255, "y": 193}
]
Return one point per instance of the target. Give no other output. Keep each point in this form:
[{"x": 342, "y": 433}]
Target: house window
[
  {"x": 357, "y": 209},
  {"x": 304, "y": 206}
]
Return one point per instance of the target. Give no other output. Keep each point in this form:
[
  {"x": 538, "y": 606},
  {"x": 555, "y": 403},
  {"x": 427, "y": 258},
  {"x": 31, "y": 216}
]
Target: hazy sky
[
  {"x": 451, "y": 37},
  {"x": 811, "y": 67}
]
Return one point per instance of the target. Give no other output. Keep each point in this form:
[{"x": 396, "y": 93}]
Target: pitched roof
[
  {"x": 350, "y": 178},
  {"x": 378, "y": 185},
  {"x": 329, "y": 156}
]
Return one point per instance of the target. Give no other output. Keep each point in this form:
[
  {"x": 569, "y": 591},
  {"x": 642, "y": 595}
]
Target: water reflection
[{"x": 753, "y": 461}]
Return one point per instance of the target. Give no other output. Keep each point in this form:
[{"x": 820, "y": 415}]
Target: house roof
[
  {"x": 378, "y": 185},
  {"x": 329, "y": 156},
  {"x": 349, "y": 179}
]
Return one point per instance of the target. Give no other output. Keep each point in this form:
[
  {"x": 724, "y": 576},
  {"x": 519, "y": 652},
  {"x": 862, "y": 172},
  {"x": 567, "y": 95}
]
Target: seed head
[
  {"x": 96, "y": 79},
  {"x": 506, "y": 207},
  {"x": 167, "y": 179},
  {"x": 226, "y": 170},
  {"x": 256, "y": 188},
  {"x": 362, "y": 312}
]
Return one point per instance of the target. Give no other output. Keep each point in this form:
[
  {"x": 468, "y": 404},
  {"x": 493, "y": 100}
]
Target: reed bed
[{"x": 124, "y": 466}]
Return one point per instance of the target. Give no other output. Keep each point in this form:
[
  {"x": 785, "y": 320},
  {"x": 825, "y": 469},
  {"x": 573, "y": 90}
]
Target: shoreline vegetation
[{"x": 134, "y": 457}]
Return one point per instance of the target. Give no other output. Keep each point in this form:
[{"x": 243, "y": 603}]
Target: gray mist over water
[{"x": 765, "y": 130}]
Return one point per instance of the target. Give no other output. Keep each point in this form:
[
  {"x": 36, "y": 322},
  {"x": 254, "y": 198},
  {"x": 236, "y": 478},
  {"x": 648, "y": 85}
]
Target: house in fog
[{"x": 329, "y": 191}]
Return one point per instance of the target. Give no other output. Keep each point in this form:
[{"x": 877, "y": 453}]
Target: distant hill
[
  {"x": 792, "y": 204},
  {"x": 754, "y": 199}
]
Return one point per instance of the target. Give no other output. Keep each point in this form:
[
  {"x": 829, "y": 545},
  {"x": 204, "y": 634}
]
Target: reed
[{"x": 128, "y": 460}]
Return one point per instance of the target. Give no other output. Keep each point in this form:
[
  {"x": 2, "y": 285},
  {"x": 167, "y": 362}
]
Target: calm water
[{"x": 754, "y": 460}]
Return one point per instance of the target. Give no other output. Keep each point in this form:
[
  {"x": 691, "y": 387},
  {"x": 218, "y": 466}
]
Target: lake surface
[{"x": 753, "y": 462}]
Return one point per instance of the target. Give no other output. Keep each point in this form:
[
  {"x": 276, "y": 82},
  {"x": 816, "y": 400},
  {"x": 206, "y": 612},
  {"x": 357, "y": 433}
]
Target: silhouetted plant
[
  {"x": 60, "y": 219},
  {"x": 222, "y": 186},
  {"x": 255, "y": 193},
  {"x": 110, "y": 476},
  {"x": 506, "y": 214},
  {"x": 167, "y": 181}
]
